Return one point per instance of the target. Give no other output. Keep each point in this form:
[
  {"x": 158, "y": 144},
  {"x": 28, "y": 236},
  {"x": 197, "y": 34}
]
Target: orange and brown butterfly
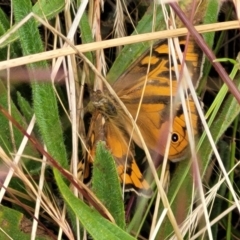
[{"x": 111, "y": 124}]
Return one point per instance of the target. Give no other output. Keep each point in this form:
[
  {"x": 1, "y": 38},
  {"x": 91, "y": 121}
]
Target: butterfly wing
[
  {"x": 117, "y": 142},
  {"x": 133, "y": 79},
  {"x": 153, "y": 118},
  {"x": 179, "y": 137}
]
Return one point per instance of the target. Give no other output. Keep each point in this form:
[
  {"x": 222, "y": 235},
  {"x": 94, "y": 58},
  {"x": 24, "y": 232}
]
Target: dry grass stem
[{"x": 114, "y": 42}]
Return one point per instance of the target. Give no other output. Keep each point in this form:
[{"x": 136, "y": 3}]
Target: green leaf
[
  {"x": 43, "y": 8},
  {"x": 5, "y": 141},
  {"x": 14, "y": 225},
  {"x": 44, "y": 100},
  {"x": 86, "y": 34},
  {"x": 97, "y": 226},
  {"x": 48, "y": 9},
  {"x": 106, "y": 185},
  {"x": 25, "y": 107}
]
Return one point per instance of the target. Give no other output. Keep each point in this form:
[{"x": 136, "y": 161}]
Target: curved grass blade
[{"x": 97, "y": 226}]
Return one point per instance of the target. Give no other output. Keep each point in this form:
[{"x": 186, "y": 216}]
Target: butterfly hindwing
[{"x": 104, "y": 129}]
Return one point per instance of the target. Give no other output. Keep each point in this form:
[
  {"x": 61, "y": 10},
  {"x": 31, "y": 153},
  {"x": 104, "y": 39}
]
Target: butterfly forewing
[
  {"x": 154, "y": 112},
  {"x": 158, "y": 73}
]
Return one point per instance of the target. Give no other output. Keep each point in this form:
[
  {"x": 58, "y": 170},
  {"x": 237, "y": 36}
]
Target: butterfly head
[{"x": 104, "y": 104}]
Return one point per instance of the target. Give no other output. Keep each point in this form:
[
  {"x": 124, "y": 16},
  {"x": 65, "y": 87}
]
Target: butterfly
[{"x": 151, "y": 74}]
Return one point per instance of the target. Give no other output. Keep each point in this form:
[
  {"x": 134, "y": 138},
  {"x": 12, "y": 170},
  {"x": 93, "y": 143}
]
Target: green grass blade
[
  {"x": 106, "y": 184},
  {"x": 229, "y": 111}
]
